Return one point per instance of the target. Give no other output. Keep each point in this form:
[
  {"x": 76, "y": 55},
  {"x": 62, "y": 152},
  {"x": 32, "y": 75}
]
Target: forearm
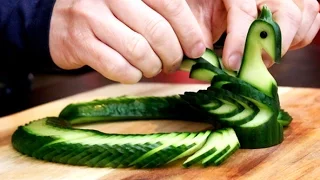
[{"x": 24, "y": 27}]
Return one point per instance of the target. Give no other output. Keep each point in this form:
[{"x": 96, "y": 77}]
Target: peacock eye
[{"x": 263, "y": 34}]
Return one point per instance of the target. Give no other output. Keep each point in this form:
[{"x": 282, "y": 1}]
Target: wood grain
[{"x": 298, "y": 157}]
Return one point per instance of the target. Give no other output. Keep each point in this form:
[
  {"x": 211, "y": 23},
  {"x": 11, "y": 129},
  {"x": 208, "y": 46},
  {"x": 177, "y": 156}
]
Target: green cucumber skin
[
  {"x": 239, "y": 99},
  {"x": 204, "y": 66},
  {"x": 199, "y": 101},
  {"x": 252, "y": 69},
  {"x": 129, "y": 108},
  {"x": 208, "y": 57},
  {"x": 221, "y": 94},
  {"x": 74, "y": 150},
  {"x": 21, "y": 139},
  {"x": 233, "y": 85},
  {"x": 266, "y": 135},
  {"x": 284, "y": 118},
  {"x": 225, "y": 86}
]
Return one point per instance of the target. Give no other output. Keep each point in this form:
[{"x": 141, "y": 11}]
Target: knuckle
[
  {"x": 151, "y": 72},
  {"x": 78, "y": 8},
  {"x": 174, "y": 63},
  {"x": 172, "y": 7},
  {"x": 311, "y": 6},
  {"x": 117, "y": 69},
  {"x": 157, "y": 30},
  {"x": 124, "y": 75},
  {"x": 294, "y": 15},
  {"x": 247, "y": 9},
  {"x": 137, "y": 47},
  {"x": 76, "y": 34}
]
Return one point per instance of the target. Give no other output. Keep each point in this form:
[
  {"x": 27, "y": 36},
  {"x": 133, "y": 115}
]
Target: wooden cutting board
[{"x": 298, "y": 157}]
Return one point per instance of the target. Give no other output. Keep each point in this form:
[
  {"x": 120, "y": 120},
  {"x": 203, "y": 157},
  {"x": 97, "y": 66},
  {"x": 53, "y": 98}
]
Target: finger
[
  {"x": 240, "y": 16},
  {"x": 311, "y": 34},
  {"x": 109, "y": 62},
  {"x": 300, "y": 4},
  {"x": 288, "y": 16},
  {"x": 131, "y": 45},
  {"x": 154, "y": 28},
  {"x": 219, "y": 26},
  {"x": 310, "y": 11},
  {"x": 184, "y": 24},
  {"x": 204, "y": 19}
]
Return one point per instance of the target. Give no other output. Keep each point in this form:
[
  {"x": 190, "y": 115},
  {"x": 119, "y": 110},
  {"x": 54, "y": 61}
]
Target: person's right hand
[{"x": 123, "y": 39}]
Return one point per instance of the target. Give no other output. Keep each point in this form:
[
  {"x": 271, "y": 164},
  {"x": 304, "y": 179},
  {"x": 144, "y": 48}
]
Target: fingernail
[
  {"x": 234, "y": 61},
  {"x": 198, "y": 50}
]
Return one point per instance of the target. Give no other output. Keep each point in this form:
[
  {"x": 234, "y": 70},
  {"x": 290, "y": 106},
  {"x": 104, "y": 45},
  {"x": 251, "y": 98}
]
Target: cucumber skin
[
  {"x": 21, "y": 139},
  {"x": 284, "y": 118},
  {"x": 266, "y": 135},
  {"x": 62, "y": 150},
  {"x": 130, "y": 108}
]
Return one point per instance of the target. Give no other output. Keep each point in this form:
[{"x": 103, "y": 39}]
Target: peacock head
[{"x": 266, "y": 33}]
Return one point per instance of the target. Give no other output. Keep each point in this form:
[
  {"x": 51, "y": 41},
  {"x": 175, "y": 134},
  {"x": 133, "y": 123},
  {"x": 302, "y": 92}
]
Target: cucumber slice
[
  {"x": 201, "y": 100},
  {"x": 208, "y": 57},
  {"x": 246, "y": 115},
  {"x": 211, "y": 57},
  {"x": 284, "y": 118},
  {"x": 53, "y": 139},
  {"x": 204, "y": 72},
  {"x": 229, "y": 72},
  {"x": 220, "y": 145},
  {"x": 263, "y": 130},
  {"x": 208, "y": 148},
  {"x": 234, "y": 146},
  {"x": 199, "y": 141},
  {"x": 229, "y": 108},
  {"x": 126, "y": 108}
]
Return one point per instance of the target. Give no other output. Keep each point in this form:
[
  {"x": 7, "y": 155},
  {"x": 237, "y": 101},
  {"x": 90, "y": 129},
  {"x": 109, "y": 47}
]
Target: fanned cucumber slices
[
  {"x": 243, "y": 107},
  {"x": 53, "y": 139}
]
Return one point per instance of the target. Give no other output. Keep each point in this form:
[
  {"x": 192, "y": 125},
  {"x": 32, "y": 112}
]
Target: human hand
[
  {"x": 299, "y": 21},
  {"x": 123, "y": 39}
]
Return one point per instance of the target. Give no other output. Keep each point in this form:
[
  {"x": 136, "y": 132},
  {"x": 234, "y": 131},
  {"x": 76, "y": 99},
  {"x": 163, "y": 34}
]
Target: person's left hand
[{"x": 299, "y": 21}]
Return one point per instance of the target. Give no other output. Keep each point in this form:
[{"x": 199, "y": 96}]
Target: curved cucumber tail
[
  {"x": 53, "y": 139},
  {"x": 130, "y": 108}
]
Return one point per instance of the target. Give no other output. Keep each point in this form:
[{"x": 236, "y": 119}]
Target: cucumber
[
  {"x": 201, "y": 101},
  {"x": 247, "y": 114},
  {"x": 204, "y": 71},
  {"x": 264, "y": 34},
  {"x": 208, "y": 57},
  {"x": 229, "y": 72},
  {"x": 53, "y": 139},
  {"x": 284, "y": 118},
  {"x": 127, "y": 108},
  {"x": 244, "y": 105},
  {"x": 234, "y": 145},
  {"x": 217, "y": 147},
  {"x": 263, "y": 130},
  {"x": 225, "y": 106}
]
